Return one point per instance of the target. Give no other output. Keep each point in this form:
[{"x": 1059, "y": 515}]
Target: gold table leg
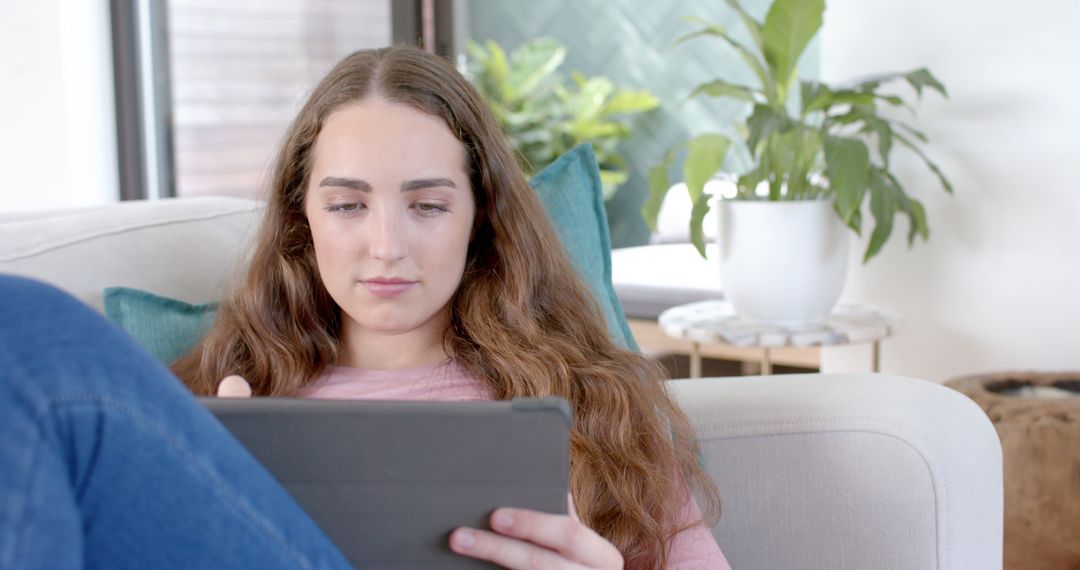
[
  {"x": 695, "y": 360},
  {"x": 766, "y": 362},
  {"x": 877, "y": 356}
]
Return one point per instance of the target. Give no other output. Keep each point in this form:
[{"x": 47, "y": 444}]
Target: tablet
[{"x": 387, "y": 480}]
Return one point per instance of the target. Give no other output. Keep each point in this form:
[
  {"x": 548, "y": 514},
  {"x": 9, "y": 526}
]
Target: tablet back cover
[{"x": 388, "y": 481}]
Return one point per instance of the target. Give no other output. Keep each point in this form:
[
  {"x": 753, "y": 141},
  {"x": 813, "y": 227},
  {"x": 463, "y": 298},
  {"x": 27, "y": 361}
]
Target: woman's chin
[{"x": 387, "y": 324}]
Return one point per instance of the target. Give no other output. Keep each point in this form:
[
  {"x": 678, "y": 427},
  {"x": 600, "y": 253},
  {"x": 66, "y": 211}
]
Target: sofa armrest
[{"x": 849, "y": 471}]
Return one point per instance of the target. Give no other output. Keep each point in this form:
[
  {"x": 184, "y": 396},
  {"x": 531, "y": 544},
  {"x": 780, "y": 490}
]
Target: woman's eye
[
  {"x": 428, "y": 209},
  {"x": 345, "y": 208}
]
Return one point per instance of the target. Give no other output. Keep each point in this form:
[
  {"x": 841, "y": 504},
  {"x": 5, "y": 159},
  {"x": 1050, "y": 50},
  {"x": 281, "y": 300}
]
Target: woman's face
[{"x": 391, "y": 213}]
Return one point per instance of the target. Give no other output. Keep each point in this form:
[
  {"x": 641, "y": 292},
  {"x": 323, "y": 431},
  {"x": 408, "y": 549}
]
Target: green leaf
[
  {"x": 658, "y": 188},
  {"x": 499, "y": 71},
  {"x": 721, "y": 88},
  {"x": 789, "y": 27},
  {"x": 856, "y": 222},
  {"x": 893, "y": 100},
  {"x": 763, "y": 122},
  {"x": 884, "y": 136},
  {"x": 610, "y": 180},
  {"x": 809, "y": 93},
  {"x": 697, "y": 218},
  {"x": 883, "y": 206},
  {"x": 806, "y": 161},
  {"x": 917, "y": 79},
  {"x": 929, "y": 163},
  {"x": 824, "y": 98},
  {"x": 917, "y": 216},
  {"x": 589, "y": 99},
  {"x": 704, "y": 158},
  {"x": 627, "y": 101},
  {"x": 752, "y": 25},
  {"x": 845, "y": 119},
  {"x": 751, "y": 59},
  {"x": 847, "y": 162},
  {"x": 941, "y": 175},
  {"x": 914, "y": 209},
  {"x": 748, "y": 181},
  {"x": 872, "y": 82},
  {"x": 534, "y": 136},
  {"x": 533, "y": 62},
  {"x": 592, "y": 129},
  {"x": 923, "y": 78},
  {"x": 914, "y": 132},
  {"x": 872, "y": 123},
  {"x": 477, "y": 55}
]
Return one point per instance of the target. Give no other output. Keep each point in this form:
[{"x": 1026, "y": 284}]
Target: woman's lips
[{"x": 387, "y": 287}]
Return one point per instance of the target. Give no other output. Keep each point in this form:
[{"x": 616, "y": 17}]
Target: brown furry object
[{"x": 1037, "y": 417}]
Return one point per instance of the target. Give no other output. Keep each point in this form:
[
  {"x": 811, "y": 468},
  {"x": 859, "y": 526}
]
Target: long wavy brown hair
[{"x": 521, "y": 320}]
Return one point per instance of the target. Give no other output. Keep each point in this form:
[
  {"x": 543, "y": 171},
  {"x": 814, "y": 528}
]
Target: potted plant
[
  {"x": 818, "y": 153},
  {"x": 544, "y": 117}
]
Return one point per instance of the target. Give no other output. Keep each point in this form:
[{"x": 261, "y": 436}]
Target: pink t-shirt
[{"x": 694, "y": 548}]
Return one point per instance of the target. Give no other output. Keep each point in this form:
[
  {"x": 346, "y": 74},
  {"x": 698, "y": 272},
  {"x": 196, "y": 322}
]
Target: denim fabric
[{"x": 108, "y": 461}]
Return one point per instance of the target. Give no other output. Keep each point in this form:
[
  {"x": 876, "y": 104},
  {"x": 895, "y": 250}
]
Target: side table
[{"x": 717, "y": 322}]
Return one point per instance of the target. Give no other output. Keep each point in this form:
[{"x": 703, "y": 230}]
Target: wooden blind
[{"x": 240, "y": 72}]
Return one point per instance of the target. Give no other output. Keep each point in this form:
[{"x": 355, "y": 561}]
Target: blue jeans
[{"x": 108, "y": 461}]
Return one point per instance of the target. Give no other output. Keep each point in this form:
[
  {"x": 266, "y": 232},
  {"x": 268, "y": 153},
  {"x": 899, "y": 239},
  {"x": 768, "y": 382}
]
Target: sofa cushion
[
  {"x": 571, "y": 191},
  {"x": 165, "y": 327},
  {"x": 186, "y": 248}
]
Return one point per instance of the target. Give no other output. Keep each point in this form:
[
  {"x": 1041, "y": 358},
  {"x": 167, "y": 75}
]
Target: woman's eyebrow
[
  {"x": 421, "y": 183},
  {"x": 363, "y": 186},
  {"x": 354, "y": 183}
]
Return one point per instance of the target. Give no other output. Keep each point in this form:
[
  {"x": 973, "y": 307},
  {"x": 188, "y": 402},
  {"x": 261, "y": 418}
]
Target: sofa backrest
[{"x": 188, "y": 249}]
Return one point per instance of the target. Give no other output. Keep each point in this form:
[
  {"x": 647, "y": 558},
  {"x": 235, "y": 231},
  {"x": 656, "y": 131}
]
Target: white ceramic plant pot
[{"x": 782, "y": 262}]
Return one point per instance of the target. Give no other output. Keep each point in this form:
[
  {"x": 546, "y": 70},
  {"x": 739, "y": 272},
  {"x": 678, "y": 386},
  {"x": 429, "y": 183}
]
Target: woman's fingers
[
  {"x": 507, "y": 552},
  {"x": 531, "y": 539},
  {"x": 234, "y": 387}
]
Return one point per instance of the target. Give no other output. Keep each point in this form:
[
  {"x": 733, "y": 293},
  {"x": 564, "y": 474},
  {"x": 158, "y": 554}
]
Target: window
[{"x": 240, "y": 72}]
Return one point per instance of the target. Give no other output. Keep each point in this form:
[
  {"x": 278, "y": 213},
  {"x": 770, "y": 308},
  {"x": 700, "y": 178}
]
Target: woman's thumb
[{"x": 234, "y": 387}]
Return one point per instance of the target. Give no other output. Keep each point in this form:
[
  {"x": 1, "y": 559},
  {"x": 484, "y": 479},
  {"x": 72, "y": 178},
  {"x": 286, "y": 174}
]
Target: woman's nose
[{"x": 387, "y": 239}]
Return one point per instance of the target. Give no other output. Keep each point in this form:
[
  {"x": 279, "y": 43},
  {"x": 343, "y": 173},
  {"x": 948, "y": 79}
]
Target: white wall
[
  {"x": 997, "y": 285},
  {"x": 58, "y": 143}
]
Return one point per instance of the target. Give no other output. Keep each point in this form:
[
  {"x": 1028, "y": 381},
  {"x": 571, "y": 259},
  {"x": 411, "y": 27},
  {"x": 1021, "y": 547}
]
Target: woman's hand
[
  {"x": 526, "y": 540},
  {"x": 234, "y": 387}
]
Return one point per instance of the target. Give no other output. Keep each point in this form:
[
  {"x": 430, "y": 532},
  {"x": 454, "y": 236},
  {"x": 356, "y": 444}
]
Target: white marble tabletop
[{"x": 717, "y": 321}]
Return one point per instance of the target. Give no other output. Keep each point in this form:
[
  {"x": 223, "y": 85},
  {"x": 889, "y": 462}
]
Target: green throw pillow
[
  {"x": 165, "y": 327},
  {"x": 571, "y": 192},
  {"x": 569, "y": 188}
]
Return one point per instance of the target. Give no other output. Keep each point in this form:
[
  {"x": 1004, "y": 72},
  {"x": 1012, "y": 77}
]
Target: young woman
[{"x": 403, "y": 255}]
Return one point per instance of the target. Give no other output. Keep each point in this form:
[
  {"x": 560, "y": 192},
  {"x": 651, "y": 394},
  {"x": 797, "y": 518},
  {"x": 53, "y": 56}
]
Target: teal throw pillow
[
  {"x": 165, "y": 327},
  {"x": 571, "y": 191}
]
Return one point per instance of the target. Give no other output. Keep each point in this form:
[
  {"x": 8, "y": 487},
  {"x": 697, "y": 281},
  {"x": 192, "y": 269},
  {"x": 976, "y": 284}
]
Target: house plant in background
[
  {"x": 818, "y": 153},
  {"x": 544, "y": 115}
]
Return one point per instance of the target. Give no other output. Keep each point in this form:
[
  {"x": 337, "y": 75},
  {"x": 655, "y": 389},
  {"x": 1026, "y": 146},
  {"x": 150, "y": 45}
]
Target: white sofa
[{"x": 836, "y": 472}]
